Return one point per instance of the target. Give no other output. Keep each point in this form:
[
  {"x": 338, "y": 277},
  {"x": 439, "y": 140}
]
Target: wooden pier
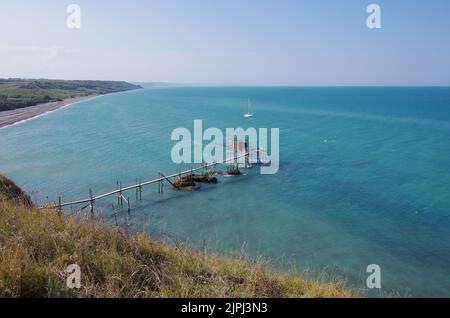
[{"x": 119, "y": 191}]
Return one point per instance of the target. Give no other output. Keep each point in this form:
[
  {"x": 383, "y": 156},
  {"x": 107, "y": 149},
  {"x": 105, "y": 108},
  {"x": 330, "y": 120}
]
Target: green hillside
[{"x": 18, "y": 93}]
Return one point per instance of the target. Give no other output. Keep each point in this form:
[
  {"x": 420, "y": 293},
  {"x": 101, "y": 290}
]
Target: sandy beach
[{"x": 11, "y": 117}]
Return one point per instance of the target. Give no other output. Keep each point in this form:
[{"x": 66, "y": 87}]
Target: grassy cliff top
[
  {"x": 9, "y": 191},
  {"x": 18, "y": 93},
  {"x": 37, "y": 246}
]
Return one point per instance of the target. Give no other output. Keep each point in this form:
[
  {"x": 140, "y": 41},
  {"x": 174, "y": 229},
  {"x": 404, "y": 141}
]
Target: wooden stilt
[
  {"x": 121, "y": 194},
  {"x": 91, "y": 204},
  {"x": 247, "y": 155},
  {"x": 159, "y": 183},
  {"x": 118, "y": 193},
  {"x": 235, "y": 151},
  {"x": 59, "y": 206},
  {"x": 137, "y": 190}
]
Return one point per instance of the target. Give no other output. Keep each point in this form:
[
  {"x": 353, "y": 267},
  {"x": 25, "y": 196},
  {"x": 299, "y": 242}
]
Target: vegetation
[
  {"x": 36, "y": 247},
  {"x": 9, "y": 191},
  {"x": 18, "y": 93}
]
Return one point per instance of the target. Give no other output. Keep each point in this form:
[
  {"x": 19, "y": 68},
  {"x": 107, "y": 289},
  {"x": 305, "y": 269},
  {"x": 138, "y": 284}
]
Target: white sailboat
[{"x": 248, "y": 114}]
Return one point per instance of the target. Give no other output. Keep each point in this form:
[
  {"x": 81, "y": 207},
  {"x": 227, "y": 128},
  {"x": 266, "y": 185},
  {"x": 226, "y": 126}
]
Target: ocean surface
[{"x": 364, "y": 175}]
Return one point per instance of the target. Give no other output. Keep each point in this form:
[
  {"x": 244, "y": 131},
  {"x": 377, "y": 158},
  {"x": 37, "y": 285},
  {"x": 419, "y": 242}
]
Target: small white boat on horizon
[{"x": 248, "y": 114}]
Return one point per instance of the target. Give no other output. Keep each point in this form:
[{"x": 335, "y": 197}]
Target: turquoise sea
[{"x": 364, "y": 175}]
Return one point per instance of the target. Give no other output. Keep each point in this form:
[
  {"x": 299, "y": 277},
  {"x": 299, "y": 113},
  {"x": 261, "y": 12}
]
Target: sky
[{"x": 237, "y": 42}]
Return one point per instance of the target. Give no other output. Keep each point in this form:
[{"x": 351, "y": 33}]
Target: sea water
[{"x": 364, "y": 175}]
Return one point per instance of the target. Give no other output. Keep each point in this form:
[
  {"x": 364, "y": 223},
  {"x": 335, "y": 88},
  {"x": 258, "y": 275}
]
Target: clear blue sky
[{"x": 309, "y": 42}]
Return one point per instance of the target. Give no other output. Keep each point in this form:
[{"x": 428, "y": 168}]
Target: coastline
[{"x": 19, "y": 115}]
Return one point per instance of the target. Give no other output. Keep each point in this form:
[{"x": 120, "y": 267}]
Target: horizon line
[{"x": 162, "y": 83}]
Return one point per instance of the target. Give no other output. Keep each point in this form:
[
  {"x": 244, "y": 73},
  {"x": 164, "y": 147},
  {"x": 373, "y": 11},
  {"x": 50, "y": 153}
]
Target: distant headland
[{"x": 21, "y": 99}]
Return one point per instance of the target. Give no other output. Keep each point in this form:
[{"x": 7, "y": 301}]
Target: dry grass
[
  {"x": 9, "y": 191},
  {"x": 37, "y": 246}
]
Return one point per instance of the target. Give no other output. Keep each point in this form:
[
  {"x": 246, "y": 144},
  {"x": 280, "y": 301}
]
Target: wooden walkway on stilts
[{"x": 119, "y": 191}]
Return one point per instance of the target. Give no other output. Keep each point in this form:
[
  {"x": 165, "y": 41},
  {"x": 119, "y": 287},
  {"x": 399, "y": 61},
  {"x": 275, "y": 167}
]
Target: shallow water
[{"x": 364, "y": 175}]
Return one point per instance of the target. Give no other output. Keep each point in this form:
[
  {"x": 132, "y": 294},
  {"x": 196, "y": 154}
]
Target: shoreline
[{"x": 16, "y": 116}]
